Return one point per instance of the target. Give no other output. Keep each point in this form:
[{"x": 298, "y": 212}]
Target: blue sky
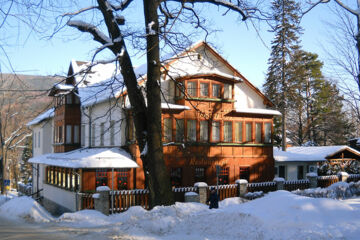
[{"x": 237, "y": 42}]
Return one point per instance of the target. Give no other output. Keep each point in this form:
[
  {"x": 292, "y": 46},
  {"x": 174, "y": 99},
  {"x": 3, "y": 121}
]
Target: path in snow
[{"x": 12, "y": 230}]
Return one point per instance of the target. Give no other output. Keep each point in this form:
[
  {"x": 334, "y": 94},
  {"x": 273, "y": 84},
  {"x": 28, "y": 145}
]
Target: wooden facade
[
  {"x": 67, "y": 122},
  {"x": 241, "y": 147}
]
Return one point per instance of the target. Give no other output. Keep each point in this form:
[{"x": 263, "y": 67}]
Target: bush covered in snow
[
  {"x": 339, "y": 190},
  {"x": 254, "y": 195}
]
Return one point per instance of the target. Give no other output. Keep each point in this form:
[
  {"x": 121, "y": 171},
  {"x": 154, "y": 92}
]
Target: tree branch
[
  {"x": 89, "y": 28},
  {"x": 227, "y": 4}
]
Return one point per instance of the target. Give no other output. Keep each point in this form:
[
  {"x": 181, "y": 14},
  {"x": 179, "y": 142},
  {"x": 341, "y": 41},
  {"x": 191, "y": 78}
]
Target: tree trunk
[{"x": 158, "y": 181}]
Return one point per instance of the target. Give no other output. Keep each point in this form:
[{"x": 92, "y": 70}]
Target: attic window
[{"x": 199, "y": 57}]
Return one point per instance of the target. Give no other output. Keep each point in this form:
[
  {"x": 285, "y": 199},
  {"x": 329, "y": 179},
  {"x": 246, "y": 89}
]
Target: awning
[{"x": 88, "y": 158}]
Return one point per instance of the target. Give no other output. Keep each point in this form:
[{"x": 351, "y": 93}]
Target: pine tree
[
  {"x": 25, "y": 167},
  {"x": 286, "y": 41}
]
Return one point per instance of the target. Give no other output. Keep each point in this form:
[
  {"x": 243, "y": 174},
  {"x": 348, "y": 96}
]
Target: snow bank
[
  {"x": 25, "y": 208},
  {"x": 339, "y": 190},
  {"x": 85, "y": 218}
]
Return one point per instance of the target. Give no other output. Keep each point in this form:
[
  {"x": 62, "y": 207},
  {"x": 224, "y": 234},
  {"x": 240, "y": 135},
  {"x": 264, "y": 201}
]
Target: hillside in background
[{"x": 22, "y": 97}]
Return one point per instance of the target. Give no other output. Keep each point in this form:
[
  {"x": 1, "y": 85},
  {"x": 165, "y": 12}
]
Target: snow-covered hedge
[{"x": 339, "y": 190}]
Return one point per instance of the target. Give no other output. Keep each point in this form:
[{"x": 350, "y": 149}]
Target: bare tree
[{"x": 147, "y": 110}]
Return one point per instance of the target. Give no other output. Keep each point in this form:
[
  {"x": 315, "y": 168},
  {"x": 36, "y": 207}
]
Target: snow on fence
[
  {"x": 179, "y": 193},
  {"x": 295, "y": 185},
  {"x": 353, "y": 178},
  {"x": 262, "y": 186},
  {"x": 326, "y": 181},
  {"x": 226, "y": 191},
  {"x": 124, "y": 199}
]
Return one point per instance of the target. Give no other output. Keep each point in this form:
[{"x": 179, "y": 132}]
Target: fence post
[
  {"x": 343, "y": 176},
  {"x": 313, "y": 179},
  {"x": 242, "y": 186},
  {"x": 102, "y": 199},
  {"x": 279, "y": 183},
  {"x": 202, "y": 186}
]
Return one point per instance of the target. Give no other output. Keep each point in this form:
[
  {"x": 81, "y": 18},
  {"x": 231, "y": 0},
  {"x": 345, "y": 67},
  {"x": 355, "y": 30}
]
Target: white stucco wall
[
  {"x": 291, "y": 169},
  {"x": 60, "y": 196},
  {"x": 246, "y": 97},
  {"x": 105, "y": 113}
]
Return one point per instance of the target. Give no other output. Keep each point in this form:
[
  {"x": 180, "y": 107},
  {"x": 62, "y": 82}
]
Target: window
[
  {"x": 258, "y": 132},
  {"x": 179, "y": 89},
  {"x": 179, "y": 130},
  {"x": 102, "y": 132},
  {"x": 34, "y": 140},
  {"x": 69, "y": 98},
  {"x": 167, "y": 129},
  {"x": 238, "y": 131},
  {"x": 39, "y": 139},
  {"x": 101, "y": 177},
  {"x": 216, "y": 91},
  {"x": 191, "y": 89},
  {"x": 267, "y": 137},
  {"x": 227, "y": 91},
  {"x": 204, "y": 89},
  {"x": 248, "y": 133},
  {"x": 282, "y": 171},
  {"x": 204, "y": 131},
  {"x": 223, "y": 176},
  {"x": 200, "y": 174},
  {"x": 68, "y": 134},
  {"x": 93, "y": 134},
  {"x": 244, "y": 173},
  {"x": 76, "y": 134},
  {"x": 77, "y": 100},
  {"x": 131, "y": 129},
  {"x": 60, "y": 134},
  {"x": 227, "y": 131},
  {"x": 300, "y": 172},
  {"x": 112, "y": 132},
  {"x": 215, "y": 128},
  {"x": 176, "y": 177},
  {"x": 123, "y": 179},
  {"x": 82, "y": 139},
  {"x": 191, "y": 130}
]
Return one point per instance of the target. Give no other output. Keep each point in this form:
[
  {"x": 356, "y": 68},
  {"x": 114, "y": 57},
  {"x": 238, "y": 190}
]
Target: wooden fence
[
  {"x": 294, "y": 185},
  {"x": 326, "y": 181},
  {"x": 263, "y": 186},
  {"x": 87, "y": 201},
  {"x": 225, "y": 191},
  {"x": 123, "y": 200}
]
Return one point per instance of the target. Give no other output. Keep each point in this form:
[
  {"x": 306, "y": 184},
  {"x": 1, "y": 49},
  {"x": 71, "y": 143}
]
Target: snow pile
[
  {"x": 3, "y": 199},
  {"x": 278, "y": 215},
  {"x": 84, "y": 218},
  {"x": 339, "y": 190},
  {"x": 254, "y": 195},
  {"x": 25, "y": 208}
]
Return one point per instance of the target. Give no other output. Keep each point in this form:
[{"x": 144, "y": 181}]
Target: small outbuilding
[{"x": 295, "y": 162}]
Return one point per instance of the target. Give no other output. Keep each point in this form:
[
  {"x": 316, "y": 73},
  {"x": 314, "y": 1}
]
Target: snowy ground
[{"x": 278, "y": 215}]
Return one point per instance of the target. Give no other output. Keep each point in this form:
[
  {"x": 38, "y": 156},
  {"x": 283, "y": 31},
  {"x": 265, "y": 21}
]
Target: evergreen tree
[
  {"x": 286, "y": 41},
  {"x": 25, "y": 167}
]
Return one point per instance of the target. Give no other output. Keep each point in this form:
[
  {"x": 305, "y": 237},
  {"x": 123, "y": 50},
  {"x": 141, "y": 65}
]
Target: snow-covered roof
[
  {"x": 258, "y": 111},
  {"x": 43, "y": 116},
  {"x": 107, "y": 89},
  {"x": 309, "y": 154},
  {"x": 88, "y": 158},
  {"x": 62, "y": 86},
  {"x": 174, "y": 106}
]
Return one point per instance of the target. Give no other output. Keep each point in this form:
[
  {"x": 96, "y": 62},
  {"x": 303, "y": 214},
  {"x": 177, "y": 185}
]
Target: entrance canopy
[{"x": 88, "y": 158}]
